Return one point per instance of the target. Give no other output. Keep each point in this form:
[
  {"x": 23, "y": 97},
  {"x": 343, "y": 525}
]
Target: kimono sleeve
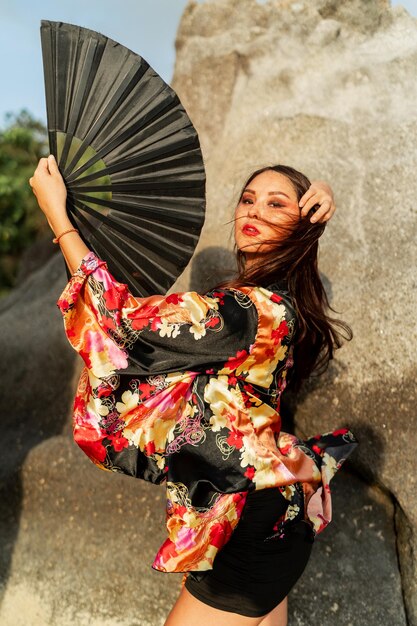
[{"x": 115, "y": 332}]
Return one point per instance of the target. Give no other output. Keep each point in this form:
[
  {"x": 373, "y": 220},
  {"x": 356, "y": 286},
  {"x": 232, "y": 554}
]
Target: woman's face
[{"x": 266, "y": 211}]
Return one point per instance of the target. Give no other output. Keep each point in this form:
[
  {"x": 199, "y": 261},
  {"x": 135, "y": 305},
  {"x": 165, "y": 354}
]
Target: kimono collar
[{"x": 279, "y": 285}]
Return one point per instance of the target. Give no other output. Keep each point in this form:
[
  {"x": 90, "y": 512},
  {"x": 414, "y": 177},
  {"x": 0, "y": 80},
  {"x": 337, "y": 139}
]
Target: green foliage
[{"x": 23, "y": 141}]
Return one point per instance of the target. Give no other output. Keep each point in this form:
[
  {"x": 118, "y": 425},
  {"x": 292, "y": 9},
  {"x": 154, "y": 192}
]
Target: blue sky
[{"x": 146, "y": 26}]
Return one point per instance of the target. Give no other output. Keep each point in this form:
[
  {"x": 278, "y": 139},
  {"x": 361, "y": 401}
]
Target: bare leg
[
  {"x": 188, "y": 611},
  {"x": 277, "y": 617}
]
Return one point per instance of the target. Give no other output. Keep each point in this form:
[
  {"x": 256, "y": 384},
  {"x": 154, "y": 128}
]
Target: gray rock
[
  {"x": 86, "y": 541},
  {"x": 35, "y": 256},
  {"x": 351, "y": 559},
  {"x": 36, "y": 364},
  {"x": 329, "y": 88}
]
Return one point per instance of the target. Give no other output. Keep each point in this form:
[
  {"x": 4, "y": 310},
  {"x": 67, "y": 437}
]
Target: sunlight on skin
[
  {"x": 266, "y": 211},
  {"x": 188, "y": 611}
]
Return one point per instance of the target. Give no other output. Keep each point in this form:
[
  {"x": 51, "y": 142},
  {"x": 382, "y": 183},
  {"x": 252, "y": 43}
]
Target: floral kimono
[{"x": 186, "y": 389}]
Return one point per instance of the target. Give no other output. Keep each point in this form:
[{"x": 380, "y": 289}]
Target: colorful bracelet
[{"x": 70, "y": 230}]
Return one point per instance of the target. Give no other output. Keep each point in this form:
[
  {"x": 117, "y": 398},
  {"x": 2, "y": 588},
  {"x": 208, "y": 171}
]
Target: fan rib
[
  {"x": 168, "y": 250},
  {"x": 109, "y": 244},
  {"x": 101, "y": 120},
  {"x": 117, "y": 141},
  {"x": 175, "y": 216},
  {"x": 78, "y": 100}
]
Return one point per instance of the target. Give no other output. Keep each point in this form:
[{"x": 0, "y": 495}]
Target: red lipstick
[{"x": 249, "y": 229}]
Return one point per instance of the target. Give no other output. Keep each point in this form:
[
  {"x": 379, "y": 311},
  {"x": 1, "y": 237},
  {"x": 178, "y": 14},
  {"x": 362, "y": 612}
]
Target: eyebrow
[{"x": 271, "y": 193}]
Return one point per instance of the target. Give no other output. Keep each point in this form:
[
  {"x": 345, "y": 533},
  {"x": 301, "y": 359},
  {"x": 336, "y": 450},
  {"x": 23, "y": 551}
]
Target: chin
[
  {"x": 251, "y": 249},
  {"x": 246, "y": 244}
]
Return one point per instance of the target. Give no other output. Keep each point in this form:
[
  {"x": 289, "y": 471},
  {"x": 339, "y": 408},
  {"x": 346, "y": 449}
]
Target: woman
[{"x": 186, "y": 388}]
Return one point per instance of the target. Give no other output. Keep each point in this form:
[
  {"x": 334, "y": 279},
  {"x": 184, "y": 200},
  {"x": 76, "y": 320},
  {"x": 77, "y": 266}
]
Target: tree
[{"x": 23, "y": 142}]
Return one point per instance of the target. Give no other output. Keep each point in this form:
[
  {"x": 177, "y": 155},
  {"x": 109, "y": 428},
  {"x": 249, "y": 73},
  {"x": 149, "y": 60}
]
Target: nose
[{"x": 253, "y": 210}]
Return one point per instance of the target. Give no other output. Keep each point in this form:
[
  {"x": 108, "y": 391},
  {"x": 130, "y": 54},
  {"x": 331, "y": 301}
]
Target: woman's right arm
[
  {"x": 50, "y": 191},
  {"x": 114, "y": 330}
]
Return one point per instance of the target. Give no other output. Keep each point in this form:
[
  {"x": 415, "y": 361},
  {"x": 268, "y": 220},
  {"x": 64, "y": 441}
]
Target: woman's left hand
[{"x": 319, "y": 193}]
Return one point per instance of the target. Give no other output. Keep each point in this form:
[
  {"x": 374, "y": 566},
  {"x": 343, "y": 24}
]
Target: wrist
[{"x": 59, "y": 223}]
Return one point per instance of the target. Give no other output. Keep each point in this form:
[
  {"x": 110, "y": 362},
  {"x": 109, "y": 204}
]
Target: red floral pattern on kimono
[{"x": 186, "y": 389}]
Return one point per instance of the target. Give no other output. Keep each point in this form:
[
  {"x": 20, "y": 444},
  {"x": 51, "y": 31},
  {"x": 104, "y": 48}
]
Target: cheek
[{"x": 285, "y": 216}]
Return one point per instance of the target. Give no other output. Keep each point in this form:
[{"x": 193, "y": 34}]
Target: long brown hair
[{"x": 294, "y": 258}]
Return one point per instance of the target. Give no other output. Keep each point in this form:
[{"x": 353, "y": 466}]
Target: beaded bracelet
[{"x": 70, "y": 230}]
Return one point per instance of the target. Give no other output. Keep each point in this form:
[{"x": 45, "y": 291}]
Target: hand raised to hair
[
  {"x": 49, "y": 188},
  {"x": 319, "y": 193}
]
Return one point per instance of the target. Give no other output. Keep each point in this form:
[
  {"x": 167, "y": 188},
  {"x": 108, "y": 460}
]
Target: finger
[
  {"x": 42, "y": 166},
  {"x": 324, "y": 219},
  {"x": 330, "y": 212},
  {"x": 31, "y": 183},
  {"x": 321, "y": 212},
  {"x": 308, "y": 194},
  {"x": 310, "y": 204},
  {"x": 52, "y": 164}
]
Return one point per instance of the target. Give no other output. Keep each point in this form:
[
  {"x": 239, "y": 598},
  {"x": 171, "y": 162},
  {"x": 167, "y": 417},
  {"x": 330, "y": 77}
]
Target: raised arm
[{"x": 50, "y": 191}]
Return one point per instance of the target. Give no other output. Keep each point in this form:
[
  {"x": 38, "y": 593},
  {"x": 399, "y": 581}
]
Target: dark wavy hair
[{"x": 293, "y": 257}]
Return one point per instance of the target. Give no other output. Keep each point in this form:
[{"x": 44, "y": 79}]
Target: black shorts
[{"x": 251, "y": 576}]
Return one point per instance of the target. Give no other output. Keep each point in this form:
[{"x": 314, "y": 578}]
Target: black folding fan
[{"x": 128, "y": 153}]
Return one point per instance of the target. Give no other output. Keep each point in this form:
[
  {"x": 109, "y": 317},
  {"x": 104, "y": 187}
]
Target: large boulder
[{"x": 329, "y": 88}]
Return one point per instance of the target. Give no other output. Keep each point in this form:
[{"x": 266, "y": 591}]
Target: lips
[{"x": 250, "y": 230}]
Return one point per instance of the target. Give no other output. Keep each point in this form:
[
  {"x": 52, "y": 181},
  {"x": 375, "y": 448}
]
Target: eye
[
  {"x": 276, "y": 204},
  {"x": 246, "y": 200}
]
